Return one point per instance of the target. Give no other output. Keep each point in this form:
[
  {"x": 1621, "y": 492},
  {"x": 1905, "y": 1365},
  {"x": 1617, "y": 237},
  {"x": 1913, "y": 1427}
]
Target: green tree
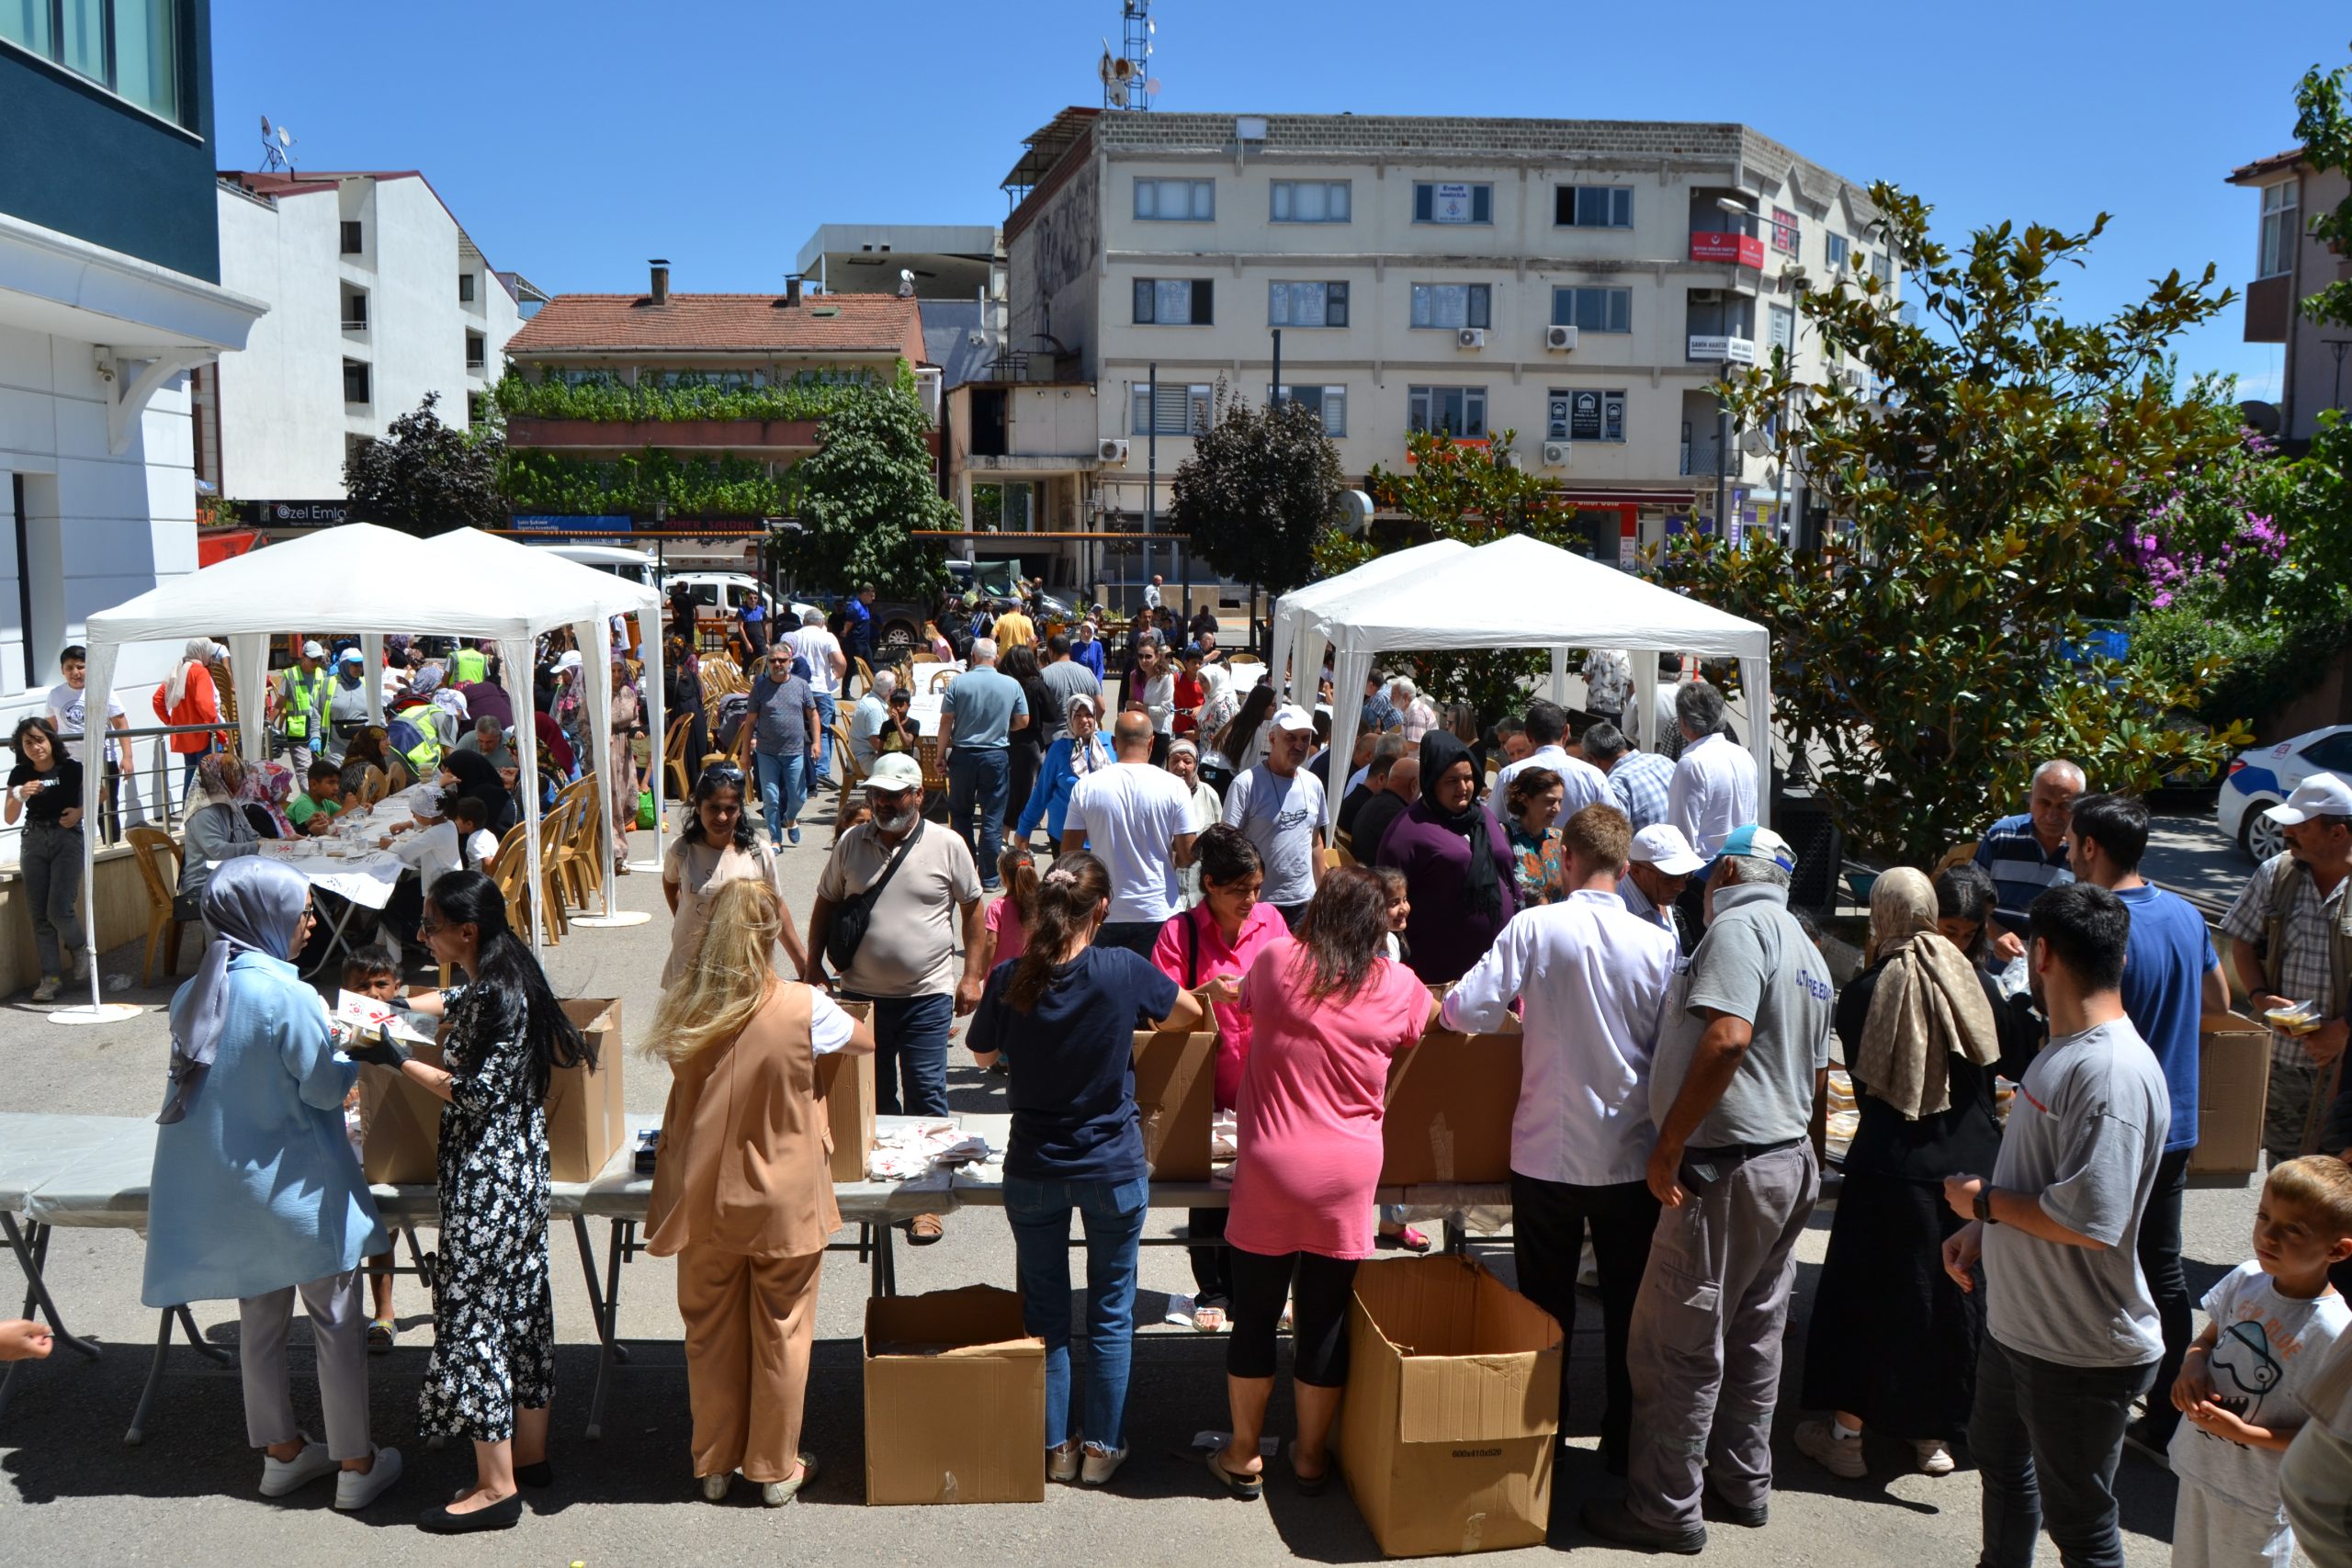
[
  {"x": 861, "y": 496},
  {"x": 425, "y": 477},
  {"x": 1257, "y": 492},
  {"x": 1928, "y": 654},
  {"x": 2323, "y": 126}
]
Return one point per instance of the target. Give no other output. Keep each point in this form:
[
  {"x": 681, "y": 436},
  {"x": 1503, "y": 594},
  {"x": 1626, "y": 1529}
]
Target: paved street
[{"x": 74, "y": 1493}]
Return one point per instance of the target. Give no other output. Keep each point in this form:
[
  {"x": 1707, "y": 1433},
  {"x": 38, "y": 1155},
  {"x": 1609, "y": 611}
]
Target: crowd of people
[{"x": 2020, "y": 1055}]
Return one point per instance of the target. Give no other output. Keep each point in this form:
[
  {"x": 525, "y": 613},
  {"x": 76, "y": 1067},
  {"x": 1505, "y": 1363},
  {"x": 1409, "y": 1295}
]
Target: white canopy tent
[
  {"x": 1297, "y": 639},
  {"x": 1519, "y": 592},
  {"x": 372, "y": 581}
]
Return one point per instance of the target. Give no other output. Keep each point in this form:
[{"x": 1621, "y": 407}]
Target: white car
[
  {"x": 724, "y": 593},
  {"x": 2266, "y": 776}
]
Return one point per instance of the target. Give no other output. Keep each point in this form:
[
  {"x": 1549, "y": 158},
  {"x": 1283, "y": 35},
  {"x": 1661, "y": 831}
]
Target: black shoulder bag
[{"x": 850, "y": 920}]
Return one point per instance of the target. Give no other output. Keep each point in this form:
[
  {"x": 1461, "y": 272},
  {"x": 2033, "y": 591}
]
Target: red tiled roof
[
  {"x": 2276, "y": 163},
  {"x": 837, "y": 324}
]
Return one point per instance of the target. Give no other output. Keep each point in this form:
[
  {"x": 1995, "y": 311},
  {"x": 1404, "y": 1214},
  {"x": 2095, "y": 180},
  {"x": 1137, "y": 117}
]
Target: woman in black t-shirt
[{"x": 45, "y": 792}]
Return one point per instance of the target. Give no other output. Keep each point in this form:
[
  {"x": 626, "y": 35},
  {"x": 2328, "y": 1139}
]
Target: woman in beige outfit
[{"x": 743, "y": 1191}]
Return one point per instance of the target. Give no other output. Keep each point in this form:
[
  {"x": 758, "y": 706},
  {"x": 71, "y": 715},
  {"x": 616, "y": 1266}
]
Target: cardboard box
[
  {"x": 1449, "y": 1116},
  {"x": 846, "y": 1082},
  {"x": 401, "y": 1122},
  {"x": 585, "y": 1119},
  {"x": 1453, "y": 1398},
  {"x": 955, "y": 1400},
  {"x": 1175, "y": 1098},
  {"x": 2233, "y": 1093}
]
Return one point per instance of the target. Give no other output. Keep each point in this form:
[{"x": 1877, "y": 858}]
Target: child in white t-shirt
[{"x": 2241, "y": 1389}]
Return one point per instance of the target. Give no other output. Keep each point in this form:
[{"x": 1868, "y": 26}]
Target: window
[
  {"x": 1452, "y": 305},
  {"x": 1585, "y": 414},
  {"x": 1458, "y": 411},
  {"x": 473, "y": 409},
  {"x": 1306, "y": 304},
  {"x": 1593, "y": 207},
  {"x": 354, "y": 311},
  {"x": 1435, "y": 202},
  {"x": 2332, "y": 753},
  {"x": 2280, "y": 229},
  {"x": 1311, "y": 201},
  {"x": 1176, "y": 201},
  {"x": 1836, "y": 244},
  {"x": 1174, "y": 301},
  {"x": 131, "y": 48},
  {"x": 352, "y": 245},
  {"x": 354, "y": 381},
  {"x": 1330, "y": 403},
  {"x": 1783, "y": 328},
  {"x": 1726, "y": 315},
  {"x": 1173, "y": 410},
  {"x": 1883, "y": 266},
  {"x": 476, "y": 351},
  {"x": 1593, "y": 310},
  {"x": 465, "y": 288},
  {"x": 1785, "y": 231}
]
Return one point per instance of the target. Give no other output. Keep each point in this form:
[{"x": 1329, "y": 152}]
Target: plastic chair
[
  {"x": 373, "y": 785},
  {"x": 845, "y": 759},
  {"x": 1959, "y": 854},
  {"x": 510, "y": 870},
  {"x": 584, "y": 870},
  {"x": 941, "y": 680},
  {"x": 150, "y": 844},
  {"x": 674, "y": 755}
]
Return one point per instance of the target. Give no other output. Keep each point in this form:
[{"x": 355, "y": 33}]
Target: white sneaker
[
  {"x": 1101, "y": 1463},
  {"x": 355, "y": 1489},
  {"x": 1838, "y": 1456},
  {"x": 1935, "y": 1458},
  {"x": 280, "y": 1476},
  {"x": 714, "y": 1487},
  {"x": 81, "y": 963},
  {"x": 1061, "y": 1463}
]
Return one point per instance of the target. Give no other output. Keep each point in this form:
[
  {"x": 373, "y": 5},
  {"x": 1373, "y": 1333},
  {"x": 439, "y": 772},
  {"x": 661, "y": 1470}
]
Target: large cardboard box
[
  {"x": 1449, "y": 1116},
  {"x": 1452, "y": 1401},
  {"x": 2233, "y": 1093},
  {"x": 1175, "y": 1097},
  {"x": 587, "y": 1121},
  {"x": 846, "y": 1081},
  {"x": 400, "y": 1124},
  {"x": 955, "y": 1400}
]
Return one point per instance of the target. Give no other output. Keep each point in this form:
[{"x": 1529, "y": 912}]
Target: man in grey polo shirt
[
  {"x": 1743, "y": 1052},
  {"x": 2072, "y": 1332},
  {"x": 1066, "y": 678},
  {"x": 977, "y": 718}
]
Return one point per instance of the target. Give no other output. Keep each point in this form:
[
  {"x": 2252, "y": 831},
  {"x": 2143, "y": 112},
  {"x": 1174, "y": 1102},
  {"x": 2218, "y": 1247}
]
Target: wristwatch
[{"x": 1983, "y": 1204}]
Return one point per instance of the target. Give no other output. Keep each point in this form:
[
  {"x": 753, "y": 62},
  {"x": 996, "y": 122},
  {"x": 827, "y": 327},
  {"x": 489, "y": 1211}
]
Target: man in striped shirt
[
  {"x": 2026, "y": 854},
  {"x": 1638, "y": 779}
]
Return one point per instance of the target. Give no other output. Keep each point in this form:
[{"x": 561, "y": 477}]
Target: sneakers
[
  {"x": 1101, "y": 1463},
  {"x": 279, "y": 1477},
  {"x": 1935, "y": 1458},
  {"x": 1838, "y": 1456},
  {"x": 81, "y": 963},
  {"x": 1061, "y": 1463},
  {"x": 355, "y": 1489},
  {"x": 1611, "y": 1520},
  {"x": 47, "y": 991}
]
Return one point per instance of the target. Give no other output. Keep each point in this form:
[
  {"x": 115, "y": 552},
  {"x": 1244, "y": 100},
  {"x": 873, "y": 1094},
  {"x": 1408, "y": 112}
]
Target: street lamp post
[{"x": 2336, "y": 346}]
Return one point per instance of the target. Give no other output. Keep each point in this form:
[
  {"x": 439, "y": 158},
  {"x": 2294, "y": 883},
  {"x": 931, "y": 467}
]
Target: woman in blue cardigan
[
  {"x": 1078, "y": 752},
  {"x": 257, "y": 1192}
]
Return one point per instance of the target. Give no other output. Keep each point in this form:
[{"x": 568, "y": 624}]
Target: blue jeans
[
  {"x": 784, "y": 785},
  {"x": 979, "y": 778},
  {"x": 1112, "y": 1214},
  {"x": 2046, "y": 1438},
  {"x": 911, "y": 1046},
  {"x": 826, "y": 709}
]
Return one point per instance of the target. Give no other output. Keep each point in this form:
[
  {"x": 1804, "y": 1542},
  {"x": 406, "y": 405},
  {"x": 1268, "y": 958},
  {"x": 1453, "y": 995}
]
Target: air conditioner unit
[
  {"x": 1556, "y": 453},
  {"x": 1706, "y": 296},
  {"x": 1470, "y": 337},
  {"x": 1561, "y": 338},
  {"x": 1112, "y": 452}
]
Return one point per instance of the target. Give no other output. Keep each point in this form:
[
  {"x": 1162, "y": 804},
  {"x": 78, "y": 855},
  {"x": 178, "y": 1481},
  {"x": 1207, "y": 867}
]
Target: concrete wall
[{"x": 122, "y": 911}]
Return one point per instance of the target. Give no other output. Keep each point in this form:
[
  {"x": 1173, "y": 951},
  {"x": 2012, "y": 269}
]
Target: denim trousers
[
  {"x": 50, "y": 857},
  {"x": 909, "y": 1049},
  {"x": 979, "y": 778},
  {"x": 2168, "y": 1284},
  {"x": 784, "y": 785},
  {"x": 1112, "y": 1214},
  {"x": 826, "y": 709},
  {"x": 2046, "y": 1438}
]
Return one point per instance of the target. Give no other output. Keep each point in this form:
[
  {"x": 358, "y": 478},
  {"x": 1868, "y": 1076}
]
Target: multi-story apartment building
[
  {"x": 2288, "y": 267},
  {"x": 1580, "y": 284},
  {"x": 110, "y": 294},
  {"x": 378, "y": 298}
]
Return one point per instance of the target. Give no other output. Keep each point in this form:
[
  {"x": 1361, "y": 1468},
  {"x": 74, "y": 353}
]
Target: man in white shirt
[
  {"x": 866, "y": 719},
  {"x": 827, "y": 665},
  {"x": 1715, "y": 779},
  {"x": 1594, "y": 977},
  {"x": 68, "y": 714},
  {"x": 1547, "y": 724},
  {"x": 1137, "y": 820}
]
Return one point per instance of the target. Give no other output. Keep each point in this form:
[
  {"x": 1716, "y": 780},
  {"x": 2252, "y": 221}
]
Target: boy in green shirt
[{"x": 315, "y": 810}]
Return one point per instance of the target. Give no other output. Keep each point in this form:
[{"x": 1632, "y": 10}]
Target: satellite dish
[
  {"x": 1754, "y": 442},
  {"x": 285, "y": 137},
  {"x": 1117, "y": 95},
  {"x": 1152, "y": 86},
  {"x": 2259, "y": 416},
  {"x": 1355, "y": 512},
  {"x": 266, "y": 132}
]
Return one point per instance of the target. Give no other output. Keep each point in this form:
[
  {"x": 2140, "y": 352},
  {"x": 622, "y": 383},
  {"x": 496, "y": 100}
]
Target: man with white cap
[
  {"x": 1278, "y": 805},
  {"x": 297, "y": 705},
  {"x": 1594, "y": 977},
  {"x": 2290, "y": 935},
  {"x": 1742, "y": 1059},
  {"x": 1658, "y": 868}
]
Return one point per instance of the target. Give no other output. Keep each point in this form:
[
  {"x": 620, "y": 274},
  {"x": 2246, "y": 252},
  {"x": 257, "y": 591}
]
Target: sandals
[
  {"x": 1406, "y": 1240},
  {"x": 1310, "y": 1485},
  {"x": 1243, "y": 1488},
  {"x": 380, "y": 1336},
  {"x": 1209, "y": 1319}
]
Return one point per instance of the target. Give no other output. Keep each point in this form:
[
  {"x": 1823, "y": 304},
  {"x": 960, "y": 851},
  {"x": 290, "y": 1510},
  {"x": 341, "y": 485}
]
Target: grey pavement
[{"x": 71, "y": 1492}]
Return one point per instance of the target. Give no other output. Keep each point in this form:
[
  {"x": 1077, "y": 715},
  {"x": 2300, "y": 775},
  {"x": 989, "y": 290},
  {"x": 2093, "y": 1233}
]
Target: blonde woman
[{"x": 743, "y": 1190}]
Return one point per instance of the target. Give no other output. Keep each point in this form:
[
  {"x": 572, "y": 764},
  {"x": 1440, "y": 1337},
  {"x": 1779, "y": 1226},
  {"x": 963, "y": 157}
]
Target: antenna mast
[{"x": 1128, "y": 81}]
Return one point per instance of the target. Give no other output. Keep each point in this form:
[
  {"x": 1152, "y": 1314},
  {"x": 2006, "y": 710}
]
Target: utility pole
[
  {"x": 1151, "y": 468},
  {"x": 2335, "y": 345},
  {"x": 1723, "y": 460}
]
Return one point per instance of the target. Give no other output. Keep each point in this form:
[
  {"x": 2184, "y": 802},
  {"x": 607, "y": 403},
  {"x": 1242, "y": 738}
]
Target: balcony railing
[
  {"x": 358, "y": 326},
  {"x": 1739, "y": 250}
]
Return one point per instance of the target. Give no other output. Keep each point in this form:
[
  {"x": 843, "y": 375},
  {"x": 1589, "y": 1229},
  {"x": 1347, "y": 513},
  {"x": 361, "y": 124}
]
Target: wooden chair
[
  {"x": 846, "y": 762},
  {"x": 941, "y": 680},
  {"x": 864, "y": 674},
  {"x": 153, "y": 846},
  {"x": 585, "y": 872},
  {"x": 1959, "y": 854},
  {"x": 1344, "y": 852},
  {"x": 510, "y": 869},
  {"x": 1333, "y": 858},
  {"x": 373, "y": 785},
  {"x": 934, "y": 772},
  {"x": 674, "y": 756},
  {"x": 1232, "y": 658},
  {"x": 555, "y": 857}
]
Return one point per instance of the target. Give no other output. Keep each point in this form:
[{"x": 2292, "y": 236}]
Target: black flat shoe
[
  {"x": 1717, "y": 1509},
  {"x": 502, "y": 1516},
  {"x": 534, "y": 1475},
  {"x": 1611, "y": 1520},
  {"x": 1310, "y": 1485}
]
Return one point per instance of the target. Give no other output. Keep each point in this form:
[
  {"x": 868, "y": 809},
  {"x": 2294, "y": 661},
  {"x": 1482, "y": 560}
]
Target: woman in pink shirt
[
  {"x": 1329, "y": 1011},
  {"x": 1217, "y": 940}
]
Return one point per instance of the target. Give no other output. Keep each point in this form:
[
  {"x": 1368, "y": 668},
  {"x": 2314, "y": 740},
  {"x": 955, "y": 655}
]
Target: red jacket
[{"x": 199, "y": 703}]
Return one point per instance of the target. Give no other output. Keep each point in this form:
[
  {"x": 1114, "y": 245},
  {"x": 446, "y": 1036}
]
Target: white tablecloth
[{"x": 365, "y": 877}]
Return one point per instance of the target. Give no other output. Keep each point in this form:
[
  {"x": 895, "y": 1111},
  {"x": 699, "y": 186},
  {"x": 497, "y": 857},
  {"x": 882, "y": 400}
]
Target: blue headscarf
[{"x": 252, "y": 906}]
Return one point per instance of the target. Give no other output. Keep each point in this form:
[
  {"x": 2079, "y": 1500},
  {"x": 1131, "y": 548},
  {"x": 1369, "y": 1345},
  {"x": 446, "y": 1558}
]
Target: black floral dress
[{"x": 493, "y": 1341}]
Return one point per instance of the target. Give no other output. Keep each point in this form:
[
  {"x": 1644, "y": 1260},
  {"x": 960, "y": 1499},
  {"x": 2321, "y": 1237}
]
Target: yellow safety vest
[
  {"x": 301, "y": 703},
  {"x": 468, "y": 666}
]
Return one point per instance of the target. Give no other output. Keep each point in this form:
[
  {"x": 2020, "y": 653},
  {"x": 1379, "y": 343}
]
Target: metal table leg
[
  {"x": 335, "y": 941},
  {"x": 186, "y": 1321},
  {"x": 32, "y": 1248},
  {"x": 603, "y": 1305}
]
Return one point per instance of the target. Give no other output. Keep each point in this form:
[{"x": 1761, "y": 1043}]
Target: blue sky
[{"x": 576, "y": 137}]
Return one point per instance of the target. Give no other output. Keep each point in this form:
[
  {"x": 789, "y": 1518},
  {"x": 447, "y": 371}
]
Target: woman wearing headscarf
[
  {"x": 1457, "y": 864},
  {"x": 264, "y": 792},
  {"x": 1077, "y": 753},
  {"x": 569, "y": 707},
  {"x": 1218, "y": 704},
  {"x": 682, "y": 674},
  {"x": 620, "y": 795},
  {"x": 216, "y": 830},
  {"x": 255, "y": 1193},
  {"x": 1892, "y": 1342},
  {"x": 190, "y": 696},
  {"x": 471, "y": 773}
]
